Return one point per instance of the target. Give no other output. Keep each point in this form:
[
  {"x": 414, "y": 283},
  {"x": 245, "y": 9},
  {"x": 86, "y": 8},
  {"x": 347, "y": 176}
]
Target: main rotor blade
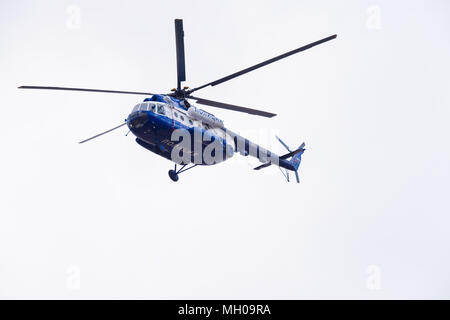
[
  {"x": 179, "y": 38},
  {"x": 233, "y": 107},
  {"x": 264, "y": 63},
  {"x": 87, "y": 90},
  {"x": 100, "y": 134}
]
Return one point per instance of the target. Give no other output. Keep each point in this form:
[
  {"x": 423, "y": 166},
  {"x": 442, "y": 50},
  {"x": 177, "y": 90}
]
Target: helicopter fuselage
[{"x": 155, "y": 120}]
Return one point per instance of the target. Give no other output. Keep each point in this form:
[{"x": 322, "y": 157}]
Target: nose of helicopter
[{"x": 137, "y": 120}]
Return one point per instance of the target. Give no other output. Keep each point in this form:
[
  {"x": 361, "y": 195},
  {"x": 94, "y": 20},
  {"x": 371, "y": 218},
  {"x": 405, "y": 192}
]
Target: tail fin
[
  {"x": 292, "y": 164},
  {"x": 297, "y": 158}
]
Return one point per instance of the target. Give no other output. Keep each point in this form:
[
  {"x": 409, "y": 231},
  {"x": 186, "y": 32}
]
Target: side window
[
  {"x": 176, "y": 114},
  {"x": 182, "y": 118},
  {"x": 190, "y": 122},
  {"x": 161, "y": 109},
  {"x": 152, "y": 107}
]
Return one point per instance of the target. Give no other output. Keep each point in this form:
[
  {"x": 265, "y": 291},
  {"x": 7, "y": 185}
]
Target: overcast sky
[{"x": 369, "y": 219}]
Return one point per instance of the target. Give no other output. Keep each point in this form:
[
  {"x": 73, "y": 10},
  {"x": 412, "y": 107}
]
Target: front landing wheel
[{"x": 173, "y": 175}]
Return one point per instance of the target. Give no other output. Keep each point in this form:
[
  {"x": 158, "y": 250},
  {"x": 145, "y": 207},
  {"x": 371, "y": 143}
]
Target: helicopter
[{"x": 174, "y": 128}]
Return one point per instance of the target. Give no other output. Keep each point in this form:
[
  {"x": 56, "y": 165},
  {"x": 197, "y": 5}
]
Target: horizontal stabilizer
[
  {"x": 263, "y": 166},
  {"x": 283, "y": 157}
]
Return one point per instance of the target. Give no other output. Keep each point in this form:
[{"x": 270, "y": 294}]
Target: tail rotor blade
[
  {"x": 296, "y": 175},
  {"x": 290, "y": 154},
  {"x": 100, "y": 134},
  {"x": 179, "y": 38},
  {"x": 284, "y": 144}
]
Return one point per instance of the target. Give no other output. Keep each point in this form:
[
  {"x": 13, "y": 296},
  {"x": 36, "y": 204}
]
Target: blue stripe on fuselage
[{"x": 157, "y": 130}]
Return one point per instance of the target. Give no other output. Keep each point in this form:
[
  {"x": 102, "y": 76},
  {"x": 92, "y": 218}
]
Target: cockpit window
[
  {"x": 137, "y": 120},
  {"x": 144, "y": 106},
  {"x": 136, "y": 108},
  {"x": 152, "y": 107},
  {"x": 161, "y": 109}
]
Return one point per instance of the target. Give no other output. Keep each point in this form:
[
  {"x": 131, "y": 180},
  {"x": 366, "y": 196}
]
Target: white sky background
[{"x": 370, "y": 218}]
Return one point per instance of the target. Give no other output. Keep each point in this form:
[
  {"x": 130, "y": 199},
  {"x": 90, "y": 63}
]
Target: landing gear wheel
[{"x": 173, "y": 175}]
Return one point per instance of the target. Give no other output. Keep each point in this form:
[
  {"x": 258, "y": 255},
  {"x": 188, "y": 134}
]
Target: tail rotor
[{"x": 295, "y": 160}]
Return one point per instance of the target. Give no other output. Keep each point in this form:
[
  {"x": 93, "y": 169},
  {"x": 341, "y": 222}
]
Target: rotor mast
[{"x": 181, "y": 66}]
